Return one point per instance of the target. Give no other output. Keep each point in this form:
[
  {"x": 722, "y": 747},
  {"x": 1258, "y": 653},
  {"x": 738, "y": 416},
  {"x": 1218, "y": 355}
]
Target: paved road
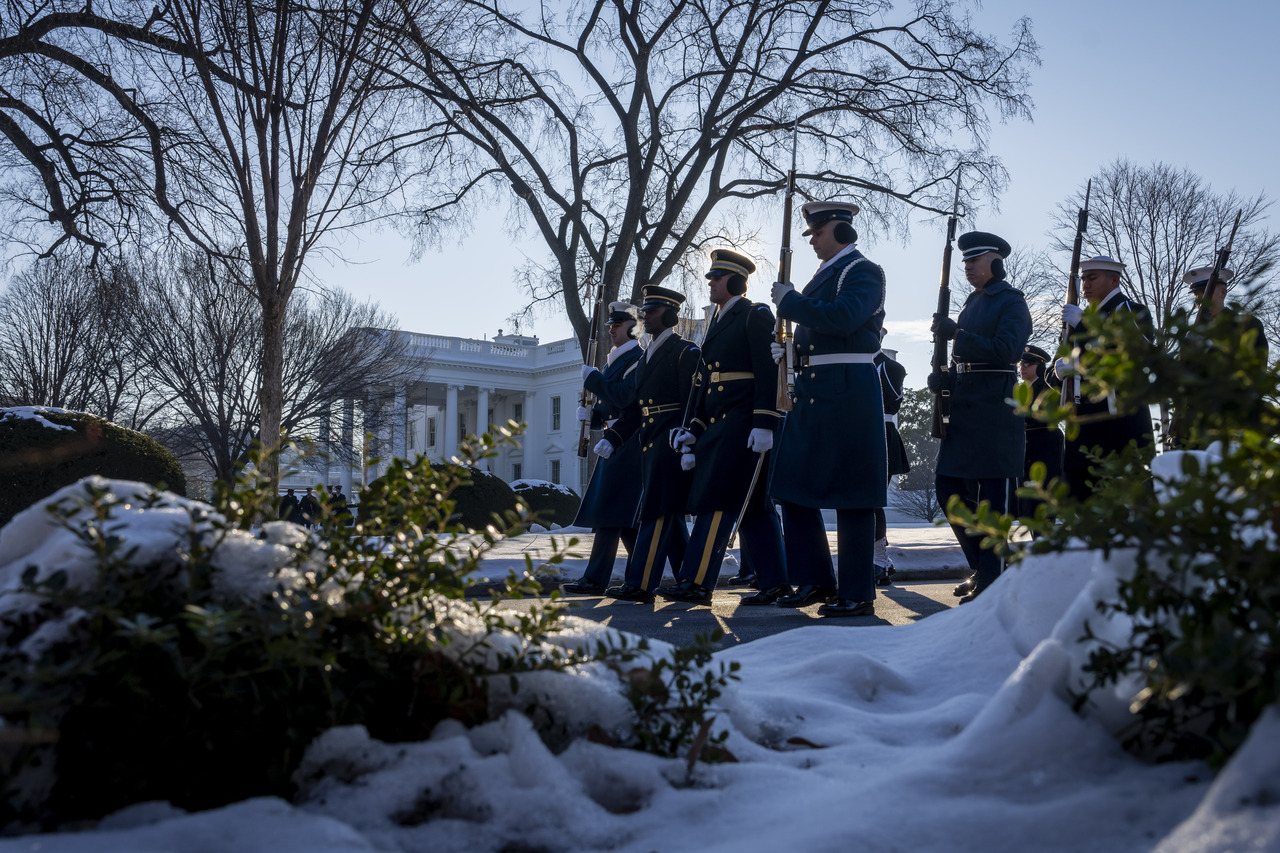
[{"x": 677, "y": 623}]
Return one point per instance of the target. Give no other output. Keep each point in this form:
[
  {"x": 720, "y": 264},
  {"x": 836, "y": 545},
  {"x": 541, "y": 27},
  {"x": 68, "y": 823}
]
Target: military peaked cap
[
  {"x": 660, "y": 297},
  {"x": 1035, "y": 353},
  {"x": 818, "y": 213},
  {"x": 622, "y": 312},
  {"x": 730, "y": 262},
  {"x": 1102, "y": 262},
  {"x": 1199, "y": 277},
  {"x": 975, "y": 243}
]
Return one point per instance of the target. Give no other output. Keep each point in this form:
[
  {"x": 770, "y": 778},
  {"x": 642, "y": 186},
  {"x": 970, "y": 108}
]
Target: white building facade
[{"x": 459, "y": 387}]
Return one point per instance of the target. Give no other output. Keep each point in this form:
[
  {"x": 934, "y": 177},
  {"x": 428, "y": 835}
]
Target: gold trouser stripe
[
  {"x": 653, "y": 551},
  {"x": 701, "y": 577}
]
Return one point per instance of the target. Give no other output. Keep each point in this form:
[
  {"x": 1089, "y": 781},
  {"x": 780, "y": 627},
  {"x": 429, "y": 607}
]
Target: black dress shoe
[
  {"x": 743, "y": 579},
  {"x": 847, "y": 607},
  {"x": 629, "y": 592},
  {"x": 582, "y": 586},
  {"x": 806, "y": 595},
  {"x": 686, "y": 591},
  {"x": 964, "y": 587},
  {"x": 883, "y": 579},
  {"x": 972, "y": 594},
  {"x": 767, "y": 596}
]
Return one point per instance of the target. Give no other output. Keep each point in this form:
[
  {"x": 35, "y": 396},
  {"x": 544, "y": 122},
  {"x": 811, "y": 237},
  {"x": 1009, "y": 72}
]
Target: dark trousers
[
  {"x": 604, "y": 550},
  {"x": 659, "y": 541},
  {"x": 809, "y": 556},
  {"x": 983, "y": 562},
  {"x": 761, "y": 538}
]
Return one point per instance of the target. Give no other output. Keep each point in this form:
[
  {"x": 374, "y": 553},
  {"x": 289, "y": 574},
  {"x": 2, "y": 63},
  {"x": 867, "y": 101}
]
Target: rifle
[
  {"x": 942, "y": 399},
  {"x": 784, "y": 402},
  {"x": 1071, "y": 385},
  {"x": 593, "y": 352},
  {"x": 1219, "y": 264}
]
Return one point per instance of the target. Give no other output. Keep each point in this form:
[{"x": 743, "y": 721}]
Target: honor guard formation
[{"x": 757, "y": 432}]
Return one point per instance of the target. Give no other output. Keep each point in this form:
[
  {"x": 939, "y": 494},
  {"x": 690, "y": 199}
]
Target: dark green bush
[
  {"x": 1205, "y": 598},
  {"x": 36, "y": 460},
  {"x": 478, "y": 498},
  {"x": 549, "y": 503},
  {"x": 172, "y": 687}
]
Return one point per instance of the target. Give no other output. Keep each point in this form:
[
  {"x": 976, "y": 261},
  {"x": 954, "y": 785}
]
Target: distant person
[
  {"x": 309, "y": 509},
  {"x": 289, "y": 506},
  {"x": 338, "y": 505},
  {"x": 981, "y": 457},
  {"x": 1044, "y": 441},
  {"x": 892, "y": 375},
  {"x": 1198, "y": 279}
]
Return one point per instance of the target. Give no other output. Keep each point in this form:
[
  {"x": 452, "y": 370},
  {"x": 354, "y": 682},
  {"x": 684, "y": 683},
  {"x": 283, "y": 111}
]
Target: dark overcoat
[
  {"x": 1103, "y": 423},
  {"x": 614, "y": 491},
  {"x": 831, "y": 454},
  {"x": 985, "y": 439},
  {"x": 737, "y": 392},
  {"x": 1044, "y": 441},
  {"x": 663, "y": 382},
  {"x": 892, "y": 375}
]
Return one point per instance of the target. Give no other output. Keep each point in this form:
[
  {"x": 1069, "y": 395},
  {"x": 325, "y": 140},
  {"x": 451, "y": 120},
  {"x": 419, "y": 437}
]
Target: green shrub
[
  {"x": 549, "y": 503},
  {"x": 478, "y": 498},
  {"x": 37, "y": 460},
  {"x": 157, "y": 677},
  {"x": 1204, "y": 600}
]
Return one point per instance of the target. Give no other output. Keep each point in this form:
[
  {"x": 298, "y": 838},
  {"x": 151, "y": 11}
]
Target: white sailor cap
[
  {"x": 1103, "y": 263},
  {"x": 818, "y": 213},
  {"x": 1199, "y": 277},
  {"x": 622, "y": 312}
]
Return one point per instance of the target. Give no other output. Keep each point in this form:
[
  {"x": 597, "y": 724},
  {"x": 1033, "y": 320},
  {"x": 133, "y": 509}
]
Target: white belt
[
  {"x": 840, "y": 358},
  {"x": 891, "y": 419}
]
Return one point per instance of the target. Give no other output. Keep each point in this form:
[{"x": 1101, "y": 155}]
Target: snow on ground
[{"x": 953, "y": 733}]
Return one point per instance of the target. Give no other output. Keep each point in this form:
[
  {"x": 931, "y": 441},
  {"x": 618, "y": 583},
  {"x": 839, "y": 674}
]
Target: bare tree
[
  {"x": 630, "y": 133},
  {"x": 1161, "y": 221},
  {"x": 255, "y": 130},
  {"x": 192, "y": 335},
  {"x": 63, "y": 330}
]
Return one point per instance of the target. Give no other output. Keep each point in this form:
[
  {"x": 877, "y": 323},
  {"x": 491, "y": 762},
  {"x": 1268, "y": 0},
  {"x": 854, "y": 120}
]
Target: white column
[
  {"x": 399, "y": 416},
  {"x": 482, "y": 411},
  {"x": 450, "y": 416},
  {"x": 534, "y": 439},
  {"x": 348, "y": 434},
  {"x": 326, "y": 442}
]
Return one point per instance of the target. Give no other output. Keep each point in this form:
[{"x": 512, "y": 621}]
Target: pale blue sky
[{"x": 1192, "y": 85}]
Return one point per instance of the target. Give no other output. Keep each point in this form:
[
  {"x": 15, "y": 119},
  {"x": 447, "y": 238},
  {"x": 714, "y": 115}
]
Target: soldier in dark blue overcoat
[
  {"x": 1104, "y": 423},
  {"x": 609, "y": 505},
  {"x": 980, "y": 459},
  {"x": 831, "y": 454},
  {"x": 730, "y": 429},
  {"x": 663, "y": 384}
]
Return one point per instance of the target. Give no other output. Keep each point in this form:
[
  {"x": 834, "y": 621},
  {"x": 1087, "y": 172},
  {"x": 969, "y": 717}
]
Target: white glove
[
  {"x": 1072, "y": 314},
  {"x": 780, "y": 290},
  {"x": 584, "y": 414},
  {"x": 604, "y": 448},
  {"x": 687, "y": 461},
  {"x": 777, "y": 350},
  {"x": 587, "y": 370},
  {"x": 683, "y": 440},
  {"x": 760, "y": 440},
  {"x": 1064, "y": 367}
]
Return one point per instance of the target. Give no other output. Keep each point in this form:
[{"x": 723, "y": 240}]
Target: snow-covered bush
[
  {"x": 155, "y": 648},
  {"x": 45, "y": 449},
  {"x": 549, "y": 502},
  {"x": 1201, "y": 607}
]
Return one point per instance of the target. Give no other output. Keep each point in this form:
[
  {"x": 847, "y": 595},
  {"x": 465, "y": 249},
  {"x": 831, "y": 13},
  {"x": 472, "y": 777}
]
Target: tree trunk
[{"x": 271, "y": 395}]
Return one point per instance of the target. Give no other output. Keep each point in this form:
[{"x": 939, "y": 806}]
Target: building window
[
  {"x": 489, "y": 423},
  {"x": 517, "y": 413},
  {"x": 516, "y": 471},
  {"x": 555, "y": 416},
  {"x": 555, "y": 468},
  {"x": 431, "y": 432},
  {"x": 462, "y": 424}
]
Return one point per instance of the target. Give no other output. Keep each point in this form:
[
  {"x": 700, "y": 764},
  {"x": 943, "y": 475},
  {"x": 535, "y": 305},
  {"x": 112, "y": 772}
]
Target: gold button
[
  {"x": 717, "y": 364},
  {"x": 810, "y": 399},
  {"x": 719, "y": 387},
  {"x": 713, "y": 420},
  {"x": 813, "y": 375},
  {"x": 650, "y": 420},
  {"x": 810, "y": 347}
]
